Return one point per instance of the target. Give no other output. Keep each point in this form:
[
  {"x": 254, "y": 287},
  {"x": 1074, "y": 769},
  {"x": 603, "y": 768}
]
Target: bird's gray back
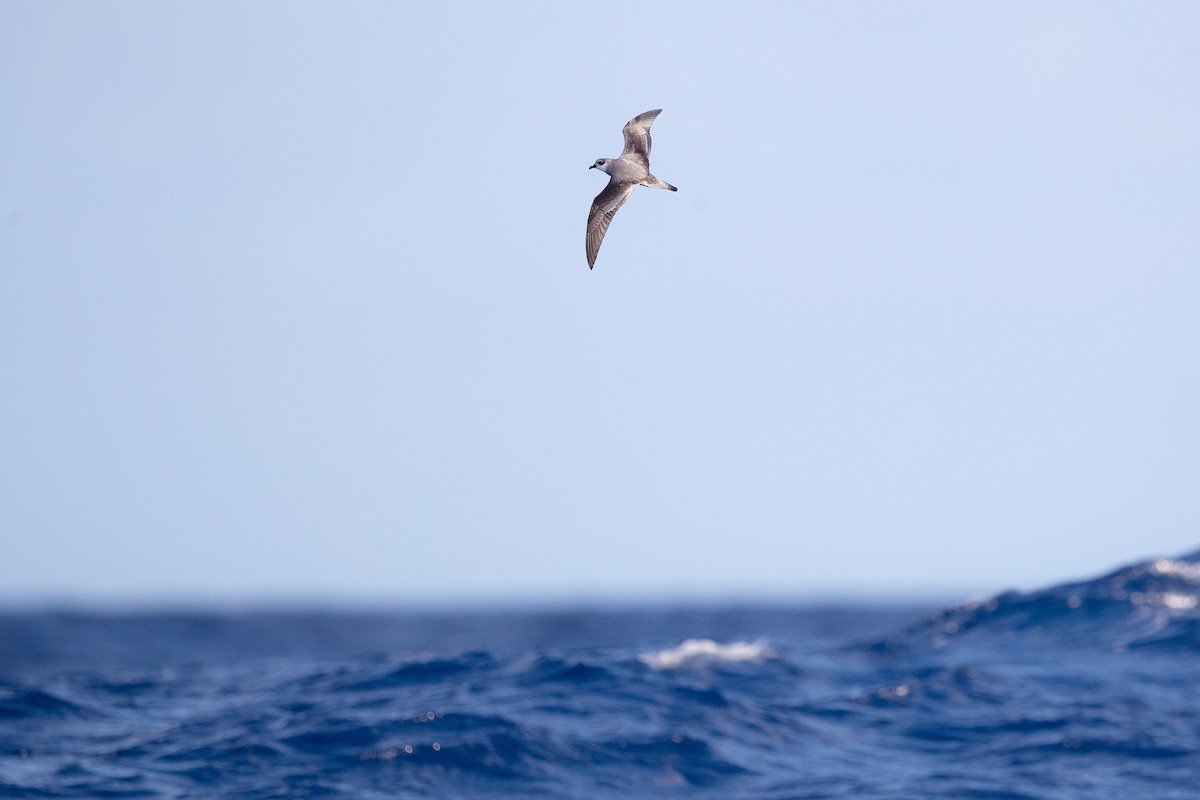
[{"x": 627, "y": 170}]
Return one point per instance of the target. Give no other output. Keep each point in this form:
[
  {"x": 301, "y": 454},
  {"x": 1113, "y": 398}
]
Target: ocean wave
[
  {"x": 20, "y": 702},
  {"x": 1150, "y": 604}
]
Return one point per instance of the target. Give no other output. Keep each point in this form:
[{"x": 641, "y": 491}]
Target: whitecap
[{"x": 691, "y": 650}]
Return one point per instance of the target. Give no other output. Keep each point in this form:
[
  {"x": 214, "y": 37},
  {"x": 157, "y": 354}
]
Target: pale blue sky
[{"x": 294, "y": 303}]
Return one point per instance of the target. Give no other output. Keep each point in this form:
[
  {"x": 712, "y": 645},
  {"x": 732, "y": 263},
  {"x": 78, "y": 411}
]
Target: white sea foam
[
  {"x": 693, "y": 650},
  {"x": 1189, "y": 571}
]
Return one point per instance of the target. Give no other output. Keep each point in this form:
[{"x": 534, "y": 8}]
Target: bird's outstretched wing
[
  {"x": 603, "y": 208},
  {"x": 637, "y": 137}
]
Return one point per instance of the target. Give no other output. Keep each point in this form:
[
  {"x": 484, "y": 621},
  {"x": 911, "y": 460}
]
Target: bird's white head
[{"x": 602, "y": 165}]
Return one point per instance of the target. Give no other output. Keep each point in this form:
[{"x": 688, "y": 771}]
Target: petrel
[{"x": 626, "y": 173}]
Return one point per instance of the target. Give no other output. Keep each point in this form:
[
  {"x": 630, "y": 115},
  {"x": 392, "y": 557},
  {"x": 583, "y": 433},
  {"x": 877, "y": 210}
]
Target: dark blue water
[{"x": 1086, "y": 690}]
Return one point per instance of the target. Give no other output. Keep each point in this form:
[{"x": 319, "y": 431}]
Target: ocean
[{"x": 1082, "y": 690}]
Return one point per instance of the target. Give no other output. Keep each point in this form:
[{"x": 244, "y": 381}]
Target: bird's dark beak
[{"x": 593, "y": 166}]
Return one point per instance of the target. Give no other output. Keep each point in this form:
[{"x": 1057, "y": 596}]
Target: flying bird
[{"x": 630, "y": 170}]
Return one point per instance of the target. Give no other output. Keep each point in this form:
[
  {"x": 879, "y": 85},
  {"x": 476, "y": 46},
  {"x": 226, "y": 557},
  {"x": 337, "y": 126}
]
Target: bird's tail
[{"x": 656, "y": 183}]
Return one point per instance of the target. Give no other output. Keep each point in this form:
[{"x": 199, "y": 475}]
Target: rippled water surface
[{"x": 1085, "y": 690}]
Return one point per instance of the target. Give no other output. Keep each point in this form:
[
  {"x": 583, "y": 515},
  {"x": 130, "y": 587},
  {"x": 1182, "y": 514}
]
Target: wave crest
[
  {"x": 1151, "y": 604},
  {"x": 706, "y": 650}
]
